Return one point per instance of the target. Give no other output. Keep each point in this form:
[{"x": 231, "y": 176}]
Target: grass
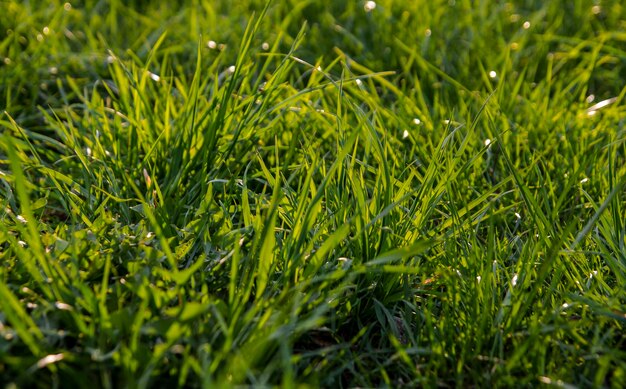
[{"x": 205, "y": 194}]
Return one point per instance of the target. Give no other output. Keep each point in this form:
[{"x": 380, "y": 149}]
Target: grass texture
[{"x": 305, "y": 193}]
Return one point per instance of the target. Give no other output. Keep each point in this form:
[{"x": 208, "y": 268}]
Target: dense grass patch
[{"x": 416, "y": 193}]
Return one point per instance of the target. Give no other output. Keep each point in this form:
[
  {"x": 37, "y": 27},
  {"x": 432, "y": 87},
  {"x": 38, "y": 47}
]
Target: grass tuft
[{"x": 297, "y": 193}]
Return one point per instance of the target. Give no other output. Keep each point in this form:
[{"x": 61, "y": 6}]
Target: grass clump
[{"x": 415, "y": 194}]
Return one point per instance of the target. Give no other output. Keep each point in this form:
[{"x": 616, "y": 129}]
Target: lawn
[{"x": 216, "y": 193}]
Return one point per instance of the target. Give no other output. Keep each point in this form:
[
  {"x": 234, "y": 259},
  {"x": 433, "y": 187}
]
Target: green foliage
[{"x": 214, "y": 193}]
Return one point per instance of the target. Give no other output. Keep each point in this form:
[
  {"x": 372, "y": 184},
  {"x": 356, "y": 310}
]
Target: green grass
[{"x": 305, "y": 193}]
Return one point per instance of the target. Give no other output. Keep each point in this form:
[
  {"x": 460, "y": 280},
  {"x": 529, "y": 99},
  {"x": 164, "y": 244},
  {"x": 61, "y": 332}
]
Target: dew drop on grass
[
  {"x": 40, "y": 37},
  {"x": 526, "y": 25},
  {"x": 369, "y": 6},
  {"x": 359, "y": 82},
  {"x": 590, "y": 98},
  {"x": 211, "y": 44},
  {"x": 7, "y": 60},
  {"x": 417, "y": 121},
  {"x": 63, "y": 306},
  {"x": 428, "y": 32},
  {"x": 487, "y": 142},
  {"x": 405, "y": 134},
  {"x": 67, "y": 6},
  {"x": 154, "y": 77},
  {"x": 265, "y": 46},
  {"x": 596, "y": 9},
  {"x": 21, "y": 219},
  {"x": 46, "y": 30},
  {"x": 49, "y": 359},
  {"x": 514, "y": 280},
  {"x": 493, "y": 74}
]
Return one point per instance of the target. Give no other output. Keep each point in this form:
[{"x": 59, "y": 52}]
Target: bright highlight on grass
[{"x": 326, "y": 194}]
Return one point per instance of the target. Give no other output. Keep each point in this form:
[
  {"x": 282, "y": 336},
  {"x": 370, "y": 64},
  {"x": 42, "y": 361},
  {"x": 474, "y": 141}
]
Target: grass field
[{"x": 214, "y": 193}]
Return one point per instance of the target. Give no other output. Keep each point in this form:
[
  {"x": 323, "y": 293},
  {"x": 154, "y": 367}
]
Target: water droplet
[
  {"x": 231, "y": 69},
  {"x": 596, "y": 9},
  {"x": 155, "y": 77},
  {"x": 67, "y": 6},
  {"x": 405, "y": 134},
  {"x": 417, "y": 121},
  {"x": 7, "y": 61},
  {"x": 63, "y": 306},
  {"x": 369, "y": 6},
  {"x": 46, "y": 30},
  {"x": 584, "y": 180},
  {"x": 21, "y": 219},
  {"x": 359, "y": 82},
  {"x": 487, "y": 142},
  {"x": 590, "y": 98},
  {"x": 514, "y": 280},
  {"x": 493, "y": 74},
  {"x": 514, "y": 46},
  {"x": 428, "y": 32},
  {"x": 40, "y": 37},
  {"x": 526, "y": 25},
  {"x": 211, "y": 44},
  {"x": 49, "y": 359},
  {"x": 265, "y": 46}
]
